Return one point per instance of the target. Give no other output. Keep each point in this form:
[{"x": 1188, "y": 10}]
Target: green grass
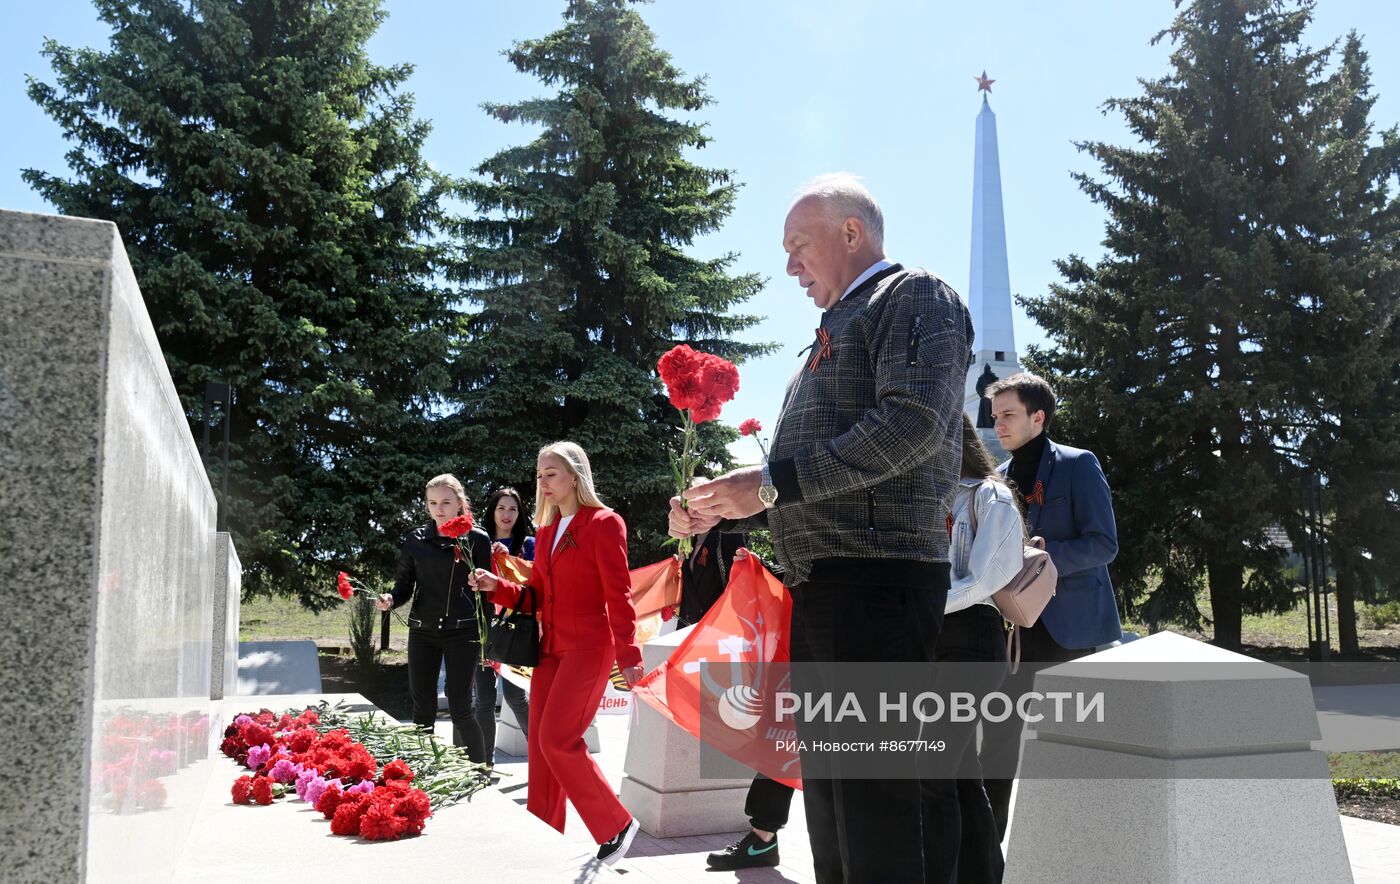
[
  {"x": 1286, "y": 630},
  {"x": 1366, "y": 774},
  {"x": 284, "y": 619}
]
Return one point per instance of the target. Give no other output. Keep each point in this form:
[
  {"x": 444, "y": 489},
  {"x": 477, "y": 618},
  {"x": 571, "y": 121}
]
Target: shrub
[
  {"x": 1381, "y": 616},
  {"x": 363, "y": 617}
]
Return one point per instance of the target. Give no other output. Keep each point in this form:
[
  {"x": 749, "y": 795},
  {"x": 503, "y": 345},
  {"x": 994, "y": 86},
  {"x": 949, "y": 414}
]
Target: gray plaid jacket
[{"x": 867, "y": 450}]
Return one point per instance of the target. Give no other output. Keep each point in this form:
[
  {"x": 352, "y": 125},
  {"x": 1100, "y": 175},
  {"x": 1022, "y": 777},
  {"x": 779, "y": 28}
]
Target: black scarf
[{"x": 1025, "y": 463}]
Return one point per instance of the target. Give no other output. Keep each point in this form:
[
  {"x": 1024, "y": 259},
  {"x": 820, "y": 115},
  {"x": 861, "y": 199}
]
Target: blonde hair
[
  {"x": 448, "y": 480},
  {"x": 576, "y": 462}
]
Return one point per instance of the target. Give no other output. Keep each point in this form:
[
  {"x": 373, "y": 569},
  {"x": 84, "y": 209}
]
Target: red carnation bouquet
[
  {"x": 699, "y": 384},
  {"x": 458, "y": 528}
]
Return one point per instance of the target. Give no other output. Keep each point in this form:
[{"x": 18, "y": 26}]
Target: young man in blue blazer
[{"x": 1066, "y": 501}]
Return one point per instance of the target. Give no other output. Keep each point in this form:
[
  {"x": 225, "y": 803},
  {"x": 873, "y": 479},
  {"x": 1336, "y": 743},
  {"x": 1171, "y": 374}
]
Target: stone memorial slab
[
  {"x": 115, "y": 662},
  {"x": 287, "y": 667},
  {"x": 228, "y": 590}
]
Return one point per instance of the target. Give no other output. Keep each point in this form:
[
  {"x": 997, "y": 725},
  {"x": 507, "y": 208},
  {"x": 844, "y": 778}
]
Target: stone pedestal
[
  {"x": 662, "y": 785},
  {"x": 510, "y": 737},
  {"x": 107, "y": 531},
  {"x": 1201, "y": 771}
]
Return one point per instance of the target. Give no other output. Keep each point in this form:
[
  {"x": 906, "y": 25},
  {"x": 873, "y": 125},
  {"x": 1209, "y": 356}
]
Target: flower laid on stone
[
  {"x": 313, "y": 756},
  {"x": 699, "y": 384}
]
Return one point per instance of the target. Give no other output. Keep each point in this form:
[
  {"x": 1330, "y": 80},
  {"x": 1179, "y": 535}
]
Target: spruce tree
[
  {"x": 269, "y": 185},
  {"x": 1187, "y": 355},
  {"x": 1352, "y": 338},
  {"x": 578, "y": 265}
]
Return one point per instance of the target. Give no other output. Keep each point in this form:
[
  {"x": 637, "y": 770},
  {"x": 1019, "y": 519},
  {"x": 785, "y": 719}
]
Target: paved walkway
[{"x": 1374, "y": 848}]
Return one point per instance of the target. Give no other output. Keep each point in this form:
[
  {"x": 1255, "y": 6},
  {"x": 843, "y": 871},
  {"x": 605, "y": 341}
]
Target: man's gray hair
[{"x": 844, "y": 197}]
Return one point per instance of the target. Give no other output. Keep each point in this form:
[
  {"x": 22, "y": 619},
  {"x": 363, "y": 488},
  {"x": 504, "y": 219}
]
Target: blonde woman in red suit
[{"x": 585, "y": 607}]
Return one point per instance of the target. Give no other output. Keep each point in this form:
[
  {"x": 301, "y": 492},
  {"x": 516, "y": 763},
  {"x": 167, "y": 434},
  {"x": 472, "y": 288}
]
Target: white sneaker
[{"x": 616, "y": 848}]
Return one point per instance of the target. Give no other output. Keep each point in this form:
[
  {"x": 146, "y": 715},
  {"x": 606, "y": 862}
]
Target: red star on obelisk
[{"x": 983, "y": 84}]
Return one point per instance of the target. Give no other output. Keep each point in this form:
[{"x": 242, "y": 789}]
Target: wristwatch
[{"x": 767, "y": 492}]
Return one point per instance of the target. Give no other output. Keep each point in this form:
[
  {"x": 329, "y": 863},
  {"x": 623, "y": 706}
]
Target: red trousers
[{"x": 564, "y": 693}]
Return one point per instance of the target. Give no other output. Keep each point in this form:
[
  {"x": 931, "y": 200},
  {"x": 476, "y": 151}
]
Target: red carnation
[
  {"x": 262, "y": 790},
  {"x": 380, "y": 823},
  {"x": 242, "y": 789},
  {"x": 398, "y": 769},
  {"x": 456, "y": 526},
  {"x": 719, "y": 381},
  {"x": 254, "y": 734},
  {"x": 667, "y": 613},
  {"x": 680, "y": 370},
  {"x": 301, "y": 740},
  {"x": 414, "y": 807},
  {"x": 750, "y": 427},
  {"x": 699, "y": 384},
  {"x": 346, "y": 820},
  {"x": 330, "y": 800},
  {"x": 360, "y": 766},
  {"x": 342, "y": 585}
]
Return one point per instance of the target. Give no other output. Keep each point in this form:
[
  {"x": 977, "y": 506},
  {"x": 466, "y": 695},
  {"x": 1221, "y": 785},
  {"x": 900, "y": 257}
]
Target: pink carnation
[{"x": 258, "y": 756}]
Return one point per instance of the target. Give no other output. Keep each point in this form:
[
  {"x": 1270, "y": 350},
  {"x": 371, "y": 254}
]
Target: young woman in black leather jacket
[{"x": 442, "y": 622}]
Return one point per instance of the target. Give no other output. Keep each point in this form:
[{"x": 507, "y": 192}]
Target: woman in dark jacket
[
  {"x": 509, "y": 529},
  {"x": 442, "y": 623}
]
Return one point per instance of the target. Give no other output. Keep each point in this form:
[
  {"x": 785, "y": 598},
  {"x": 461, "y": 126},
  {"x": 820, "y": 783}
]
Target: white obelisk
[{"x": 989, "y": 282}]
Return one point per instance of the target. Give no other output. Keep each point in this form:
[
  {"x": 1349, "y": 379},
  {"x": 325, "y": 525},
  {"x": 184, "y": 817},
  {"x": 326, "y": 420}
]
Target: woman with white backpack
[{"x": 986, "y": 535}]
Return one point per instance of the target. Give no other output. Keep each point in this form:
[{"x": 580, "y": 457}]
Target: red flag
[
  {"x": 730, "y": 707},
  {"x": 512, "y": 568},
  {"x": 656, "y": 587}
]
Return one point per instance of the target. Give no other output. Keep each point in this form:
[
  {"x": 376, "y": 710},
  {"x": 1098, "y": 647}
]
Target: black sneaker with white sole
[
  {"x": 615, "y": 848},
  {"x": 749, "y": 852}
]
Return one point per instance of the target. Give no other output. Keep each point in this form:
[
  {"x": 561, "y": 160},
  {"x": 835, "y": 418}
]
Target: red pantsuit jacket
[{"x": 583, "y": 586}]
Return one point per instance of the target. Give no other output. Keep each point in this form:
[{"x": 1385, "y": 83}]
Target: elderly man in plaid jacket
[{"x": 863, "y": 466}]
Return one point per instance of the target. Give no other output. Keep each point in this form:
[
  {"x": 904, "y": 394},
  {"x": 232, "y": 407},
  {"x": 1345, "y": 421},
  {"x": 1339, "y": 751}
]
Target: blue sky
[{"x": 882, "y": 88}]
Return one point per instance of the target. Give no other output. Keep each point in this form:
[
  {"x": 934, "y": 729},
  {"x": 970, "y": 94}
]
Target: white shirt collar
[{"x": 870, "y": 271}]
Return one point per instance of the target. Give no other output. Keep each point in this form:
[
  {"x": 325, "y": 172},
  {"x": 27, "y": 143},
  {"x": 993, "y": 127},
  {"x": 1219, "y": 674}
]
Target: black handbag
[{"x": 513, "y": 637}]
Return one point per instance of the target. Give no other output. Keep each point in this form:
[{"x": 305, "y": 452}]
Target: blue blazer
[{"x": 1074, "y": 513}]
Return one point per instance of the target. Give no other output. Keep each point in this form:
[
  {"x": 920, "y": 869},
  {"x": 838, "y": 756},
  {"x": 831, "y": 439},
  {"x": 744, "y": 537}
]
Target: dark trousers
[
  {"x": 975, "y": 635},
  {"x": 870, "y": 830},
  {"x": 428, "y": 649},
  {"x": 768, "y": 803},
  {"x": 1001, "y": 741},
  {"x": 513, "y": 694}
]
